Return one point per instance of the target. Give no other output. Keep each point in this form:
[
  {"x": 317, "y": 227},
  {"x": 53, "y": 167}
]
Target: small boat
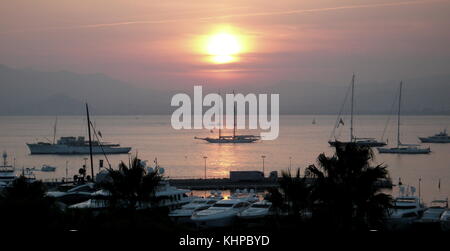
[
  {"x": 366, "y": 142},
  {"x": 257, "y": 210},
  {"x": 433, "y": 213},
  {"x": 441, "y": 137},
  {"x": 403, "y": 148},
  {"x": 184, "y": 213},
  {"x": 47, "y": 168},
  {"x": 445, "y": 221},
  {"x": 221, "y": 214}
]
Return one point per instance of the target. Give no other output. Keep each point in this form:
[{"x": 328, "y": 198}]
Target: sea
[{"x": 299, "y": 143}]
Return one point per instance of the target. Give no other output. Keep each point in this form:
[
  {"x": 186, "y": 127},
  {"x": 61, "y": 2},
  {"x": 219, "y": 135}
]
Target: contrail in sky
[{"x": 256, "y": 14}]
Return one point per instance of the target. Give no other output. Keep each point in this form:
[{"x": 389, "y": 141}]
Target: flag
[
  {"x": 439, "y": 185},
  {"x": 100, "y": 134}
]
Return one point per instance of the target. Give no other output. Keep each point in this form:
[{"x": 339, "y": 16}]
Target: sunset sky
[{"x": 161, "y": 44}]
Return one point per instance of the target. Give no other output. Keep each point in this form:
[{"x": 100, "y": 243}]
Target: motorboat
[
  {"x": 445, "y": 221},
  {"x": 403, "y": 148},
  {"x": 405, "y": 211},
  {"x": 257, "y": 210},
  {"x": 433, "y": 213},
  {"x": 47, "y": 168},
  {"x": 184, "y": 213},
  {"x": 244, "y": 194},
  {"x": 166, "y": 196},
  {"x": 441, "y": 137},
  {"x": 74, "y": 195},
  {"x": 221, "y": 214},
  {"x": 71, "y": 145}
]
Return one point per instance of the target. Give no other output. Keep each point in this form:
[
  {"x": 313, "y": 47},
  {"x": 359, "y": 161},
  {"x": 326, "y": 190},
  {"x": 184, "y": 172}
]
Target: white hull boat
[
  {"x": 403, "y": 148},
  {"x": 441, "y": 137},
  {"x": 221, "y": 214}
]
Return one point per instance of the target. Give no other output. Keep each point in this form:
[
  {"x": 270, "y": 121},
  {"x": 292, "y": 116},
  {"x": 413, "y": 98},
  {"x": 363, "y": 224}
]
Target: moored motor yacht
[
  {"x": 257, "y": 210},
  {"x": 405, "y": 211},
  {"x": 445, "y": 220},
  {"x": 433, "y": 213},
  {"x": 166, "y": 196},
  {"x": 221, "y": 214},
  {"x": 184, "y": 213},
  {"x": 441, "y": 137}
]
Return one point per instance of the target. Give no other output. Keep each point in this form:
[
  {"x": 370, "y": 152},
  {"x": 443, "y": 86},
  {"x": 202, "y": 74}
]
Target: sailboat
[
  {"x": 230, "y": 138},
  {"x": 403, "y": 148},
  {"x": 367, "y": 142}
]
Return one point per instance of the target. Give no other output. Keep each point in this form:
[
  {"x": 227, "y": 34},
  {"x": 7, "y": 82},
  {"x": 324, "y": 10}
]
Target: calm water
[{"x": 182, "y": 156}]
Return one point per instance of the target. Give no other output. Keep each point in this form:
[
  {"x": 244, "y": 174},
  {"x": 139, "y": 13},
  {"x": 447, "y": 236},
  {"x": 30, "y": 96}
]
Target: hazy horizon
[{"x": 131, "y": 58}]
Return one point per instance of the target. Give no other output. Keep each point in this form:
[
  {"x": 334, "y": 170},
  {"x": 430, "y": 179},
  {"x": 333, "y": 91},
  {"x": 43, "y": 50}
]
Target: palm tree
[
  {"x": 346, "y": 188},
  {"x": 295, "y": 190},
  {"x": 132, "y": 186},
  {"x": 24, "y": 204}
]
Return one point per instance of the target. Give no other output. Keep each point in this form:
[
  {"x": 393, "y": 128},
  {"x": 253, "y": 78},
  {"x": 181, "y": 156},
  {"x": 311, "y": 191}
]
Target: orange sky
[{"x": 154, "y": 44}]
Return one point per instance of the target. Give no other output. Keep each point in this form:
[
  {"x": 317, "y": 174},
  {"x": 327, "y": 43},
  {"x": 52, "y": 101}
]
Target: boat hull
[
  {"x": 403, "y": 151},
  {"x": 72, "y": 150},
  {"x": 366, "y": 144},
  {"x": 428, "y": 140},
  {"x": 229, "y": 141}
]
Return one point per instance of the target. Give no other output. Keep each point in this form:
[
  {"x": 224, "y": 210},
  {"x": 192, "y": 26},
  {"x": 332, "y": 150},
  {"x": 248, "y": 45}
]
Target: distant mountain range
[{"x": 30, "y": 92}]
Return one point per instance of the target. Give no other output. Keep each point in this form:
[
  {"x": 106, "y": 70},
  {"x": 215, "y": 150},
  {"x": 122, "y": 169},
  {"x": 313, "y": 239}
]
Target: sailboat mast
[
  {"x": 54, "y": 130},
  {"x": 234, "y": 119},
  {"x": 220, "y": 119},
  {"x": 351, "y": 108},
  {"x": 399, "y": 112},
  {"x": 90, "y": 142}
]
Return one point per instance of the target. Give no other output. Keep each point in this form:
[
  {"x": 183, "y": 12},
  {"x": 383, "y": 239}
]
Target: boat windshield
[
  {"x": 198, "y": 202},
  {"x": 260, "y": 206},
  {"x": 404, "y": 207},
  {"x": 223, "y": 205}
]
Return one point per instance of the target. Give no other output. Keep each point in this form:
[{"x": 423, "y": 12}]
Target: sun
[{"x": 223, "y": 47}]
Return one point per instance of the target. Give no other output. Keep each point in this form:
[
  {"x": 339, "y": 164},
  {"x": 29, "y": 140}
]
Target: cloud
[{"x": 254, "y": 14}]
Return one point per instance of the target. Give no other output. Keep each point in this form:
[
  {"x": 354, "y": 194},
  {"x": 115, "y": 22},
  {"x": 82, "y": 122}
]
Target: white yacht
[
  {"x": 184, "y": 213},
  {"x": 434, "y": 212},
  {"x": 445, "y": 221},
  {"x": 245, "y": 194},
  {"x": 405, "y": 211},
  {"x": 74, "y": 195},
  {"x": 221, "y": 214},
  {"x": 257, "y": 210},
  {"x": 403, "y": 148},
  {"x": 441, "y": 137},
  {"x": 7, "y": 172},
  {"x": 170, "y": 197}
]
